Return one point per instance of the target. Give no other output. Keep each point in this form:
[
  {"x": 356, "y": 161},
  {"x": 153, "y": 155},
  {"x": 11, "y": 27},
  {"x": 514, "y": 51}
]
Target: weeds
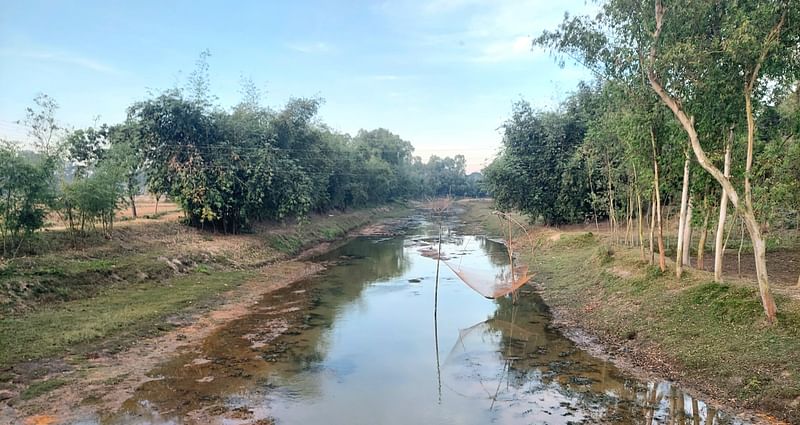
[{"x": 40, "y": 388}]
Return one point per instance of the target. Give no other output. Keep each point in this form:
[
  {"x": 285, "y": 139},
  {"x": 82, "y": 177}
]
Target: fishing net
[
  {"x": 490, "y": 283},
  {"x": 480, "y": 365},
  {"x": 486, "y": 336}
]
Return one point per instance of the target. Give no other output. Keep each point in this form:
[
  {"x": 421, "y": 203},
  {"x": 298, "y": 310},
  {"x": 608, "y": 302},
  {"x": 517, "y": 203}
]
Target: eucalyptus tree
[
  {"x": 706, "y": 61},
  {"x": 757, "y": 45}
]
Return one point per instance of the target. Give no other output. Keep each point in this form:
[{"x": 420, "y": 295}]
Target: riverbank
[
  {"x": 106, "y": 311},
  {"x": 709, "y": 337}
]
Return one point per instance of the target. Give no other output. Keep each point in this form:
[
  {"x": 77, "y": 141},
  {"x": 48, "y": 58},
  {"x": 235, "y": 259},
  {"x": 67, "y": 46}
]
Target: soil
[
  {"x": 644, "y": 360},
  {"x": 105, "y": 380},
  {"x": 641, "y": 360},
  {"x": 116, "y": 376}
]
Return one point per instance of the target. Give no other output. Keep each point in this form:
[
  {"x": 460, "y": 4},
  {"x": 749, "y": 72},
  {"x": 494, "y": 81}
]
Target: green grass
[
  {"x": 327, "y": 229},
  {"x": 134, "y": 310},
  {"x": 714, "y": 334},
  {"x": 40, "y": 388},
  {"x": 56, "y": 277},
  {"x": 59, "y": 303}
]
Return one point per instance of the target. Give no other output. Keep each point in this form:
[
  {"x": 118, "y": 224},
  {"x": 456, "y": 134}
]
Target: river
[{"x": 358, "y": 344}]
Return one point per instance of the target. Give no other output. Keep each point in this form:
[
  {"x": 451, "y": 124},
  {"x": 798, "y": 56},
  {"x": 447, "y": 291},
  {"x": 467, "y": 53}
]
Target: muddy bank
[
  {"x": 710, "y": 338},
  {"x": 644, "y": 361},
  {"x": 361, "y": 333},
  {"x": 104, "y": 381},
  {"x": 99, "y": 377}
]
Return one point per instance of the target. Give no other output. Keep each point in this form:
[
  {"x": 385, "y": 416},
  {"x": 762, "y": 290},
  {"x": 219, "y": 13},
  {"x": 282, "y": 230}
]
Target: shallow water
[{"x": 362, "y": 348}]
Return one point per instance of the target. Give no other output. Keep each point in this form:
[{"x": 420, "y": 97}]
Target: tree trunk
[
  {"x": 719, "y": 250},
  {"x": 652, "y": 229},
  {"x": 746, "y": 210},
  {"x": 668, "y": 219},
  {"x": 640, "y": 224},
  {"x": 682, "y": 220},
  {"x": 594, "y": 207},
  {"x": 158, "y": 197},
  {"x": 739, "y": 254},
  {"x": 687, "y": 235},
  {"x": 629, "y": 220},
  {"x": 701, "y": 244},
  {"x": 133, "y": 206},
  {"x": 611, "y": 213},
  {"x": 662, "y": 262}
]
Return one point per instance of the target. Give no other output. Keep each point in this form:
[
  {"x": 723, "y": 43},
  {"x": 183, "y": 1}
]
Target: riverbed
[{"x": 359, "y": 344}]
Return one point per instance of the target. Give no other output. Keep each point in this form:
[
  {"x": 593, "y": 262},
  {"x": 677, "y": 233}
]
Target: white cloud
[
  {"x": 482, "y": 30},
  {"x": 63, "y": 57},
  {"x": 318, "y": 47},
  {"x": 508, "y": 49}
]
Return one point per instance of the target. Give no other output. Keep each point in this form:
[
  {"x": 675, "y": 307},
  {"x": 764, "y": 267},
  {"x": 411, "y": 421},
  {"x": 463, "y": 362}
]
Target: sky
[{"x": 443, "y": 74}]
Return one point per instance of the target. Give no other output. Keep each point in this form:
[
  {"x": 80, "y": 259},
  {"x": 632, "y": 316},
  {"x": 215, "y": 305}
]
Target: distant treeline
[{"x": 226, "y": 168}]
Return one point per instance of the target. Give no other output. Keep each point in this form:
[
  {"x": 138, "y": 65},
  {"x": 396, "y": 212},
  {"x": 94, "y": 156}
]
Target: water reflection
[{"x": 357, "y": 347}]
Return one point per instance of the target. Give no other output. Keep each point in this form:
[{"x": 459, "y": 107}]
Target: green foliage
[
  {"x": 228, "y": 170},
  {"x": 25, "y": 193},
  {"x": 95, "y": 199},
  {"x": 534, "y": 173}
]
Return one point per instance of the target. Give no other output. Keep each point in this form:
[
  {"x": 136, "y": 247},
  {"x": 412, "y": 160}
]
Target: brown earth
[
  {"x": 103, "y": 379},
  {"x": 112, "y": 378}
]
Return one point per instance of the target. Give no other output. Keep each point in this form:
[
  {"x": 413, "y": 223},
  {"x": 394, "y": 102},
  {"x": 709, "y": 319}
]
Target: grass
[
  {"x": 714, "y": 335},
  {"x": 66, "y": 301},
  {"x": 133, "y": 311},
  {"x": 301, "y": 236},
  {"x": 40, "y": 388},
  {"x": 54, "y": 277}
]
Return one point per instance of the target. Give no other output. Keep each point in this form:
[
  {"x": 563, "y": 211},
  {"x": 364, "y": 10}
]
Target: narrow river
[{"x": 359, "y": 345}]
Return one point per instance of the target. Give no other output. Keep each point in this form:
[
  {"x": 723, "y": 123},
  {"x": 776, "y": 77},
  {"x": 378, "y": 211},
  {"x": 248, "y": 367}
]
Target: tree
[
  {"x": 42, "y": 125},
  {"x": 25, "y": 194},
  {"x": 756, "y": 49},
  {"x": 124, "y": 154},
  {"x": 706, "y": 61},
  {"x": 528, "y": 174},
  {"x": 85, "y": 148}
]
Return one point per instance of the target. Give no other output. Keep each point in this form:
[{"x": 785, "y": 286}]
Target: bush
[{"x": 93, "y": 199}]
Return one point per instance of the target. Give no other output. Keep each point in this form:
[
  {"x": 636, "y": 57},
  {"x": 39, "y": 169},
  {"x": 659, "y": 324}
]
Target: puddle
[{"x": 358, "y": 344}]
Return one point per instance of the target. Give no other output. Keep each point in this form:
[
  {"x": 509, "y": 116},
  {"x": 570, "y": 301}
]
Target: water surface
[{"x": 362, "y": 347}]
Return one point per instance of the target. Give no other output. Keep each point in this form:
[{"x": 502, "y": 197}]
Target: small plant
[
  {"x": 653, "y": 272},
  {"x": 605, "y": 254},
  {"x": 40, "y": 388}
]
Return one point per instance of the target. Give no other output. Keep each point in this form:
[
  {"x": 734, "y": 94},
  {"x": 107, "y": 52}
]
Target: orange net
[{"x": 490, "y": 283}]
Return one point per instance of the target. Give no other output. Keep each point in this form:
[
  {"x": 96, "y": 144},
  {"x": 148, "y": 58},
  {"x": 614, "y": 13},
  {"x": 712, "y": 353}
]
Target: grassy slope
[
  {"x": 107, "y": 297},
  {"x": 711, "y": 336}
]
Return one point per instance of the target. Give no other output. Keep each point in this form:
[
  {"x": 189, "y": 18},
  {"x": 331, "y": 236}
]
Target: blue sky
[{"x": 442, "y": 73}]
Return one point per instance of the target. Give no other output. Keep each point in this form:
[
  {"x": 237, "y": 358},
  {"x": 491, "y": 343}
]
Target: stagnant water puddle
[{"x": 358, "y": 345}]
